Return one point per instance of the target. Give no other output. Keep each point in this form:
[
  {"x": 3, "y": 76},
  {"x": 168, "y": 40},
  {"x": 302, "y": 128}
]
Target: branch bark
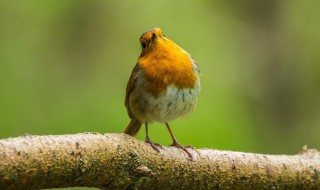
[{"x": 118, "y": 161}]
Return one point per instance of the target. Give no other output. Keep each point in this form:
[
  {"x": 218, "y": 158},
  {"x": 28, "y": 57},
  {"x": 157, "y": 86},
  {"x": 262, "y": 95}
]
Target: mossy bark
[{"x": 118, "y": 161}]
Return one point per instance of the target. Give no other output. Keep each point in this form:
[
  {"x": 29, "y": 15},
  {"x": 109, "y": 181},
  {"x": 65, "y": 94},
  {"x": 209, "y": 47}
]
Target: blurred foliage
[{"x": 64, "y": 67}]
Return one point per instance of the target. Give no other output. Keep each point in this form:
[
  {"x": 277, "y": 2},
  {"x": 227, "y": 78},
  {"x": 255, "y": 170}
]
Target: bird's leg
[
  {"x": 153, "y": 144},
  {"x": 176, "y": 144}
]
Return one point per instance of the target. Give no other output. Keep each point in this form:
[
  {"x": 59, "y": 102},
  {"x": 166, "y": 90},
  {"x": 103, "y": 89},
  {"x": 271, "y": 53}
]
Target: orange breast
[{"x": 167, "y": 64}]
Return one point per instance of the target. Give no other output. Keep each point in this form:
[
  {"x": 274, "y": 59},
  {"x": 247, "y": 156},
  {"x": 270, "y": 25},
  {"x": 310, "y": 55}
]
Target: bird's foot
[
  {"x": 176, "y": 144},
  {"x": 153, "y": 144}
]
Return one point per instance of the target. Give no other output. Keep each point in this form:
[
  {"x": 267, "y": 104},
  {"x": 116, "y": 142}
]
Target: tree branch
[{"x": 118, "y": 161}]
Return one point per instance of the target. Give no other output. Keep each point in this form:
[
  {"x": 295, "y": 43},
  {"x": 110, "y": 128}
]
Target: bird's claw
[
  {"x": 176, "y": 144},
  {"x": 153, "y": 145}
]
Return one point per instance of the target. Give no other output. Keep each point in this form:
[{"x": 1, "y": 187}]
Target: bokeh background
[{"x": 64, "y": 66}]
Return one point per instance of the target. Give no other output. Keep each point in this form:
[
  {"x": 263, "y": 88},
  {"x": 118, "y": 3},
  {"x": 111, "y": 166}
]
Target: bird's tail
[{"x": 133, "y": 127}]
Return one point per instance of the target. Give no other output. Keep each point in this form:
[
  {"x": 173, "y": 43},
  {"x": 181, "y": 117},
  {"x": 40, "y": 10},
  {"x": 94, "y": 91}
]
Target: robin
[{"x": 163, "y": 85}]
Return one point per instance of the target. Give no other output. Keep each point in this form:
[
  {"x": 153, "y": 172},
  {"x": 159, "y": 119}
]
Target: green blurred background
[{"x": 64, "y": 66}]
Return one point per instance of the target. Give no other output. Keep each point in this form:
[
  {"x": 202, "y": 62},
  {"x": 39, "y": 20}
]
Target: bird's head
[{"x": 151, "y": 38}]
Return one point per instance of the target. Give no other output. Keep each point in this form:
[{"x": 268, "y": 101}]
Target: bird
[{"x": 164, "y": 85}]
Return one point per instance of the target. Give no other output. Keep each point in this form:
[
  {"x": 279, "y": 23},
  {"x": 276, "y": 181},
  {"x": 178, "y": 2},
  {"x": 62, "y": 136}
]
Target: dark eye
[{"x": 143, "y": 45}]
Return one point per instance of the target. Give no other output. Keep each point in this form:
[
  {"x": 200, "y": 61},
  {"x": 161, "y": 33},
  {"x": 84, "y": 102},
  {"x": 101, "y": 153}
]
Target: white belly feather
[{"x": 169, "y": 105}]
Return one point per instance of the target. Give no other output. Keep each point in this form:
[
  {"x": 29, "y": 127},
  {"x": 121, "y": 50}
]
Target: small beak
[{"x": 154, "y": 36}]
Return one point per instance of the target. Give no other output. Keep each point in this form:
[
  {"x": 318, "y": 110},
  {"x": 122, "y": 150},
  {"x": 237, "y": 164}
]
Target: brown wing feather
[{"x": 130, "y": 87}]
